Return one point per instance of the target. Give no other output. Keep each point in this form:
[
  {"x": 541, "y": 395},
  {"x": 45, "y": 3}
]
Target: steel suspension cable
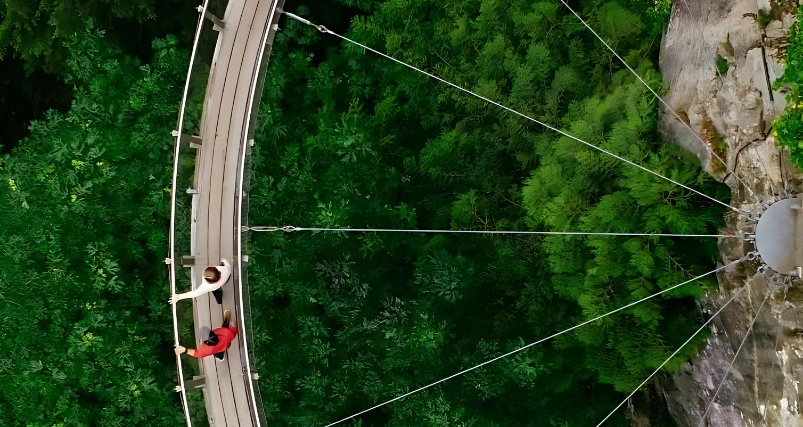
[
  {"x": 539, "y": 342},
  {"x": 705, "y": 325},
  {"x": 688, "y": 126},
  {"x": 325, "y": 30},
  {"x": 724, "y": 377},
  {"x": 290, "y": 229}
]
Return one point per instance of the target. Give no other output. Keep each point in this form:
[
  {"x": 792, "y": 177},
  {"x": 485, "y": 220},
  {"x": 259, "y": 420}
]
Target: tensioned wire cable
[
  {"x": 290, "y": 229},
  {"x": 705, "y": 325},
  {"x": 688, "y": 126},
  {"x": 325, "y": 30},
  {"x": 547, "y": 339},
  {"x": 725, "y": 377}
]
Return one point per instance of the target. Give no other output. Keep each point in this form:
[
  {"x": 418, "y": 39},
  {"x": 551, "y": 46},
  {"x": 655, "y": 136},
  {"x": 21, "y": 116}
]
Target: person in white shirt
[{"x": 213, "y": 279}]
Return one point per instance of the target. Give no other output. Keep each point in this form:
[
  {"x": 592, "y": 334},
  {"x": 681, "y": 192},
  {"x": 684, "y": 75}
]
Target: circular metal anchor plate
[{"x": 779, "y": 236}]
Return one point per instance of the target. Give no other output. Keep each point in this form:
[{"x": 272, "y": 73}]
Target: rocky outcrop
[{"x": 719, "y": 63}]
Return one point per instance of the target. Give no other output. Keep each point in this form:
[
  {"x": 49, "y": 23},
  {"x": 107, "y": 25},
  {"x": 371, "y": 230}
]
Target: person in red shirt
[{"x": 218, "y": 342}]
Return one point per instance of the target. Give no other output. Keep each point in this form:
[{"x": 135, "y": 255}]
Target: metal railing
[
  {"x": 182, "y": 216},
  {"x": 181, "y": 207},
  {"x": 243, "y": 175}
]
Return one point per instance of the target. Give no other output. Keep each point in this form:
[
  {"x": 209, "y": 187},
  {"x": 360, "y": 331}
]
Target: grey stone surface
[{"x": 763, "y": 386}]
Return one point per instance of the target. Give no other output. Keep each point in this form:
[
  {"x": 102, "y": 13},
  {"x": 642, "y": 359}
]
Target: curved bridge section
[{"x": 245, "y": 35}]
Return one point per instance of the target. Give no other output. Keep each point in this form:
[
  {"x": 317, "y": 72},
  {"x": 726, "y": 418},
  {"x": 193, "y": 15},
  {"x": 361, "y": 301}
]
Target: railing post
[
  {"x": 194, "y": 140},
  {"x": 195, "y": 382},
  {"x": 219, "y": 24}
]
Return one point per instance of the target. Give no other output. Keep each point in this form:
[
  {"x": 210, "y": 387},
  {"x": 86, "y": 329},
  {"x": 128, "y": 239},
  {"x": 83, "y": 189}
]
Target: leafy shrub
[
  {"x": 378, "y": 145},
  {"x": 763, "y": 18},
  {"x": 722, "y": 65},
  {"x": 787, "y": 127},
  {"x": 82, "y": 287}
]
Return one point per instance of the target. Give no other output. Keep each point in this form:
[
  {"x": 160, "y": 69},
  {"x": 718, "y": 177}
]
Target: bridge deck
[{"x": 249, "y": 25}]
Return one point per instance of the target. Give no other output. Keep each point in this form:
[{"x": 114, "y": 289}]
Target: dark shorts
[{"x": 213, "y": 340}]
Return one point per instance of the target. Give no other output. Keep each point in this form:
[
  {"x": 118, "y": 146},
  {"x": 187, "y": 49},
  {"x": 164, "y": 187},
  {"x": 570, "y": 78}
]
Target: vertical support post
[
  {"x": 195, "y": 382},
  {"x": 194, "y": 140},
  {"x": 219, "y": 24}
]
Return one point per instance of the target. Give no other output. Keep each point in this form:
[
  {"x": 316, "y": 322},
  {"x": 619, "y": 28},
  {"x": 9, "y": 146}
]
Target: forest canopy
[
  {"x": 348, "y": 139},
  {"x": 787, "y": 128},
  {"x": 85, "y": 200},
  {"x": 39, "y": 31}
]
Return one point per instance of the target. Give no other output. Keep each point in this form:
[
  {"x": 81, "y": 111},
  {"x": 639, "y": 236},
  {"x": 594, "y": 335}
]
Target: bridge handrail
[
  {"x": 171, "y": 260},
  {"x": 254, "y": 97}
]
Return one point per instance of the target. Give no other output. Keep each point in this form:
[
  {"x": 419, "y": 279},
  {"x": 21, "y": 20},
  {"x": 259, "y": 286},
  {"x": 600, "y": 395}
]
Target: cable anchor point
[
  {"x": 320, "y": 28},
  {"x": 286, "y": 229}
]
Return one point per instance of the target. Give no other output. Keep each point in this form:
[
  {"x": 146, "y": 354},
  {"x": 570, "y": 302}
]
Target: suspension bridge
[
  {"x": 245, "y": 34},
  {"x": 217, "y": 210}
]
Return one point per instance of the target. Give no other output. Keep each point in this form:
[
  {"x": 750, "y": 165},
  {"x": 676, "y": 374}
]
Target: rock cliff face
[{"x": 719, "y": 64}]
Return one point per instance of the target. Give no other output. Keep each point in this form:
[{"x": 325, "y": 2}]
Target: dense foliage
[
  {"x": 788, "y": 127},
  {"x": 351, "y": 140},
  {"x": 85, "y": 201},
  {"x": 348, "y": 139},
  {"x": 37, "y": 30}
]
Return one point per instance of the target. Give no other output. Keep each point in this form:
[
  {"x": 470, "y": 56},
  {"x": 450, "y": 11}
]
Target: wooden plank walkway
[{"x": 249, "y": 25}]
